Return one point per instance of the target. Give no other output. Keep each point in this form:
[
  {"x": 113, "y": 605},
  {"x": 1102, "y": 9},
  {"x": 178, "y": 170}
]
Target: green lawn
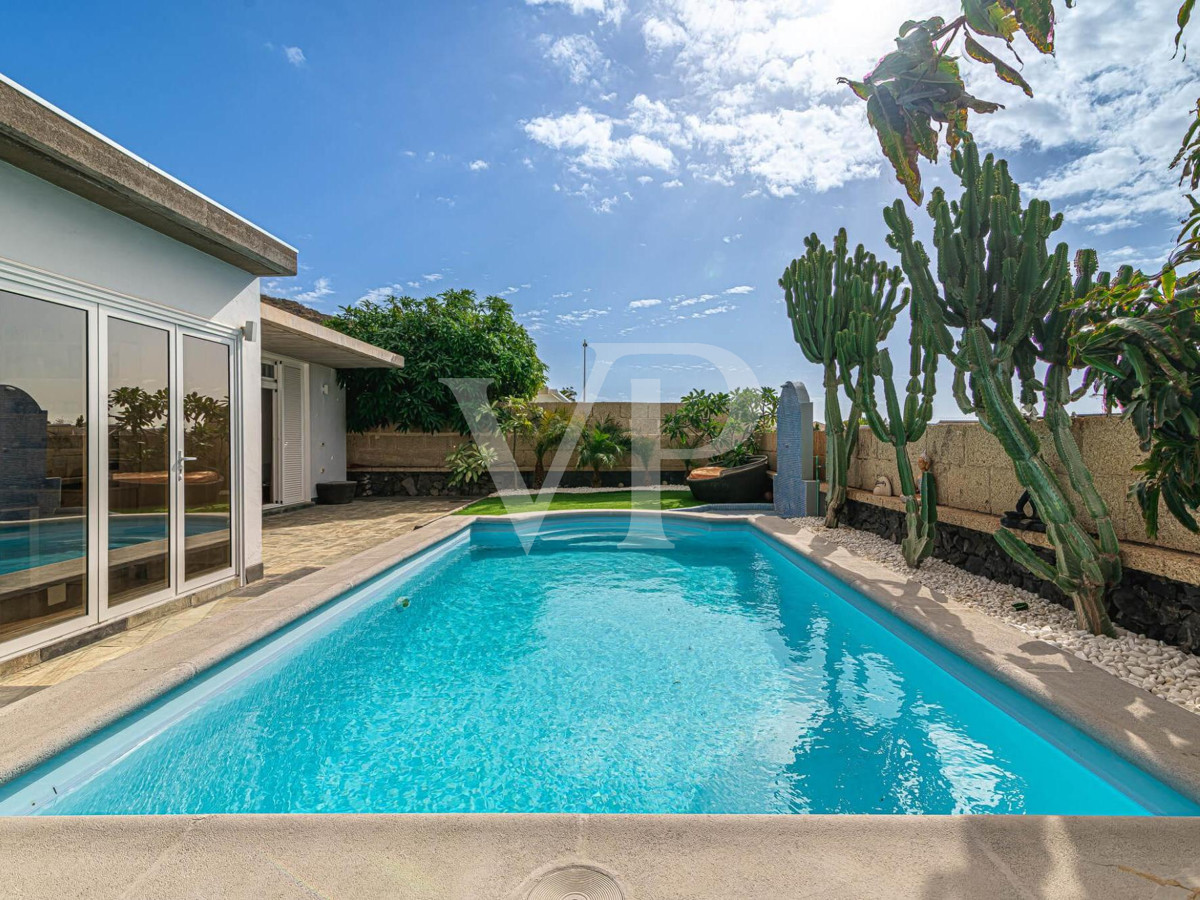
[{"x": 494, "y": 506}]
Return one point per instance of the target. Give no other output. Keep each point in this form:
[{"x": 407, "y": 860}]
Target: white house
[{"x": 150, "y": 404}]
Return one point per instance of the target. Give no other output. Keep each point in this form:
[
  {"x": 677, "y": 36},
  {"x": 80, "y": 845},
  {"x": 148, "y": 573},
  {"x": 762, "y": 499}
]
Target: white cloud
[
  {"x": 479, "y": 165},
  {"x": 295, "y": 56},
  {"x": 608, "y": 10},
  {"x": 740, "y": 289},
  {"x": 692, "y": 301},
  {"x": 322, "y": 287},
  {"x": 745, "y": 94},
  {"x": 588, "y": 138},
  {"x": 644, "y": 304},
  {"x": 730, "y": 238},
  {"x": 644, "y": 179},
  {"x": 578, "y": 316},
  {"x": 1113, "y": 105},
  {"x": 709, "y": 311},
  {"x": 379, "y": 294},
  {"x": 579, "y": 56},
  {"x": 436, "y": 276},
  {"x": 562, "y": 295}
]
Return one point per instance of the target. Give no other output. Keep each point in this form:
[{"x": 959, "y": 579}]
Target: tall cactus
[
  {"x": 823, "y": 289},
  {"x": 904, "y": 425},
  {"x": 998, "y": 282}
]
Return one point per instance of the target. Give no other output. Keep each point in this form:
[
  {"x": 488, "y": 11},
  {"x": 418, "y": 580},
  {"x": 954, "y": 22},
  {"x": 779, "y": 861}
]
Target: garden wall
[
  {"x": 974, "y": 473},
  {"x": 419, "y": 452},
  {"x": 386, "y": 462}
]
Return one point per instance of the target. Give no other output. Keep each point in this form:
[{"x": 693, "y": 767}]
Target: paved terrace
[{"x": 295, "y": 544}]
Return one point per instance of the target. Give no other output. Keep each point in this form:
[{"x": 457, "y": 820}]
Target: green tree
[{"x": 452, "y": 335}]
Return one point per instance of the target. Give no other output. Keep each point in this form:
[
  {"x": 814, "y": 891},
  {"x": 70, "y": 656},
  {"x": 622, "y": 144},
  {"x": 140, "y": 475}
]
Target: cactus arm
[{"x": 1023, "y": 554}]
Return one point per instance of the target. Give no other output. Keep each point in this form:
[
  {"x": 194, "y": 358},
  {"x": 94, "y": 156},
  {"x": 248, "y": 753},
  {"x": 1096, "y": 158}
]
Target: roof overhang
[
  {"x": 290, "y": 335},
  {"x": 43, "y": 140}
]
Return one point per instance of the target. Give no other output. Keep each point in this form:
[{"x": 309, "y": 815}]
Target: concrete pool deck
[{"x": 650, "y": 856}]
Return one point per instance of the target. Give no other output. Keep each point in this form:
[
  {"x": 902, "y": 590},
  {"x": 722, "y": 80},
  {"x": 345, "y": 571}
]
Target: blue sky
[{"x": 619, "y": 170}]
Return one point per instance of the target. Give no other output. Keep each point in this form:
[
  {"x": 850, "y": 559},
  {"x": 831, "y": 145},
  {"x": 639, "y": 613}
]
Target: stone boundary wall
[
  {"x": 974, "y": 473},
  {"x": 418, "y": 452},
  {"x": 1158, "y": 607}
]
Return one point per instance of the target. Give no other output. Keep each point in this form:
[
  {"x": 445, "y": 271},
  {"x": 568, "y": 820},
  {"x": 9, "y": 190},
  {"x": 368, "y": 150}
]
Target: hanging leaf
[
  {"x": 990, "y": 18},
  {"x": 1185, "y": 15},
  {"x": 978, "y": 52},
  {"x": 1036, "y": 19},
  {"x": 897, "y": 143}
]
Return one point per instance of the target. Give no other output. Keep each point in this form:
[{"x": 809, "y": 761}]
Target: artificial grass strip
[{"x": 495, "y": 506}]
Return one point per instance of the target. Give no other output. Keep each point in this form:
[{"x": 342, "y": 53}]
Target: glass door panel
[
  {"x": 43, "y": 464},
  {"x": 139, "y": 468},
  {"x": 205, "y": 465}
]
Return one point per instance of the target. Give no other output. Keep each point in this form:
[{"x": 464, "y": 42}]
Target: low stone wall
[
  {"x": 974, "y": 473},
  {"x": 1158, "y": 607}
]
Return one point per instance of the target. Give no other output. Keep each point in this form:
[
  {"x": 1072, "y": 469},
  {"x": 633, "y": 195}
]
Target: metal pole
[{"x": 585, "y": 370}]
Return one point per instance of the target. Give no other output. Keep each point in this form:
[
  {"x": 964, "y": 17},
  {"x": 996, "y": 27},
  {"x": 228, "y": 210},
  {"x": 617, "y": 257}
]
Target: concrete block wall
[
  {"x": 974, "y": 473},
  {"x": 420, "y": 452}
]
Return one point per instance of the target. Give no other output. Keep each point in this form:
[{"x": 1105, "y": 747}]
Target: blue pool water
[
  {"x": 24, "y": 545},
  {"x": 604, "y": 672}
]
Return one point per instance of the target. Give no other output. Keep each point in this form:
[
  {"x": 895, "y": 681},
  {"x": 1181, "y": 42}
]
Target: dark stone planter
[{"x": 336, "y": 492}]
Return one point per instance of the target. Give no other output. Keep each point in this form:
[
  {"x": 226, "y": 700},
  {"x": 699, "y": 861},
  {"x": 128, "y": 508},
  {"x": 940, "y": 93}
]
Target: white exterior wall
[
  {"x": 327, "y": 427},
  {"x": 60, "y": 233}
]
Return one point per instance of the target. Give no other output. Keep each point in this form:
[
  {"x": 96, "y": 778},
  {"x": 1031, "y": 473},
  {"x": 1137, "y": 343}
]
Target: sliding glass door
[
  {"x": 205, "y": 463},
  {"x": 99, "y": 522},
  {"x": 44, "y": 461},
  {"x": 139, "y": 460}
]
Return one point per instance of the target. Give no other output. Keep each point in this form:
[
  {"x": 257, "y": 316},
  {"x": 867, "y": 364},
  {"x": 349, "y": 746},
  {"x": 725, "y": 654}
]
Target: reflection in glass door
[
  {"x": 139, "y": 470},
  {"x": 205, "y": 463},
  {"x": 43, "y": 464}
]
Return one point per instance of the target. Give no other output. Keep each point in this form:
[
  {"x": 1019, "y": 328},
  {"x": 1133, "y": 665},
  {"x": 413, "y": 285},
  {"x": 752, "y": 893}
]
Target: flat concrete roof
[
  {"x": 291, "y": 335},
  {"x": 43, "y": 140}
]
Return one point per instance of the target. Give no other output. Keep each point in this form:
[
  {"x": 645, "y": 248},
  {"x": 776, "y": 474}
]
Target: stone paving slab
[{"x": 503, "y": 857}]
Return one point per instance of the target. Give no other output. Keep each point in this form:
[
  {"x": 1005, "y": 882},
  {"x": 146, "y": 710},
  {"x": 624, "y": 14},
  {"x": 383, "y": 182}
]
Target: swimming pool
[{"x": 615, "y": 668}]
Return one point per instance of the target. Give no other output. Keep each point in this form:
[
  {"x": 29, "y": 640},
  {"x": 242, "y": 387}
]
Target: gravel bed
[{"x": 1144, "y": 662}]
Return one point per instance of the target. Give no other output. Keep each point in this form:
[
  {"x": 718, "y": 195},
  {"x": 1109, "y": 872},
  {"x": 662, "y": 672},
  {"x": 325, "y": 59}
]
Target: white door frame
[
  {"x": 305, "y": 427},
  {"x": 98, "y": 303},
  {"x": 178, "y": 468}
]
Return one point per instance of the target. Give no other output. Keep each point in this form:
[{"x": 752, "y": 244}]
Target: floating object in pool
[{"x": 401, "y": 603}]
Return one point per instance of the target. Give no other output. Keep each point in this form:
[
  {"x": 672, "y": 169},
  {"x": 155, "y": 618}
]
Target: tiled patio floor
[{"x": 294, "y": 545}]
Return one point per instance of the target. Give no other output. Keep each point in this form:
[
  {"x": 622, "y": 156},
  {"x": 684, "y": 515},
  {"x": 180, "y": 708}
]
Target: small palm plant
[
  {"x": 548, "y": 432},
  {"x": 602, "y": 446}
]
